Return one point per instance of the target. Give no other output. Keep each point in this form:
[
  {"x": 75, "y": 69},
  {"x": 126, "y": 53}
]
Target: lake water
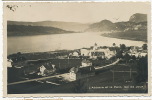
[{"x": 42, "y": 43}]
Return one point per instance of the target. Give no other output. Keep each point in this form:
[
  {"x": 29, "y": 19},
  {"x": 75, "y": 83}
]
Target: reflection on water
[{"x": 41, "y": 43}]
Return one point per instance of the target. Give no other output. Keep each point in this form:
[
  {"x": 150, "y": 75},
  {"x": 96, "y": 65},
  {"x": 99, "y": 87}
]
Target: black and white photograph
[{"x": 77, "y": 48}]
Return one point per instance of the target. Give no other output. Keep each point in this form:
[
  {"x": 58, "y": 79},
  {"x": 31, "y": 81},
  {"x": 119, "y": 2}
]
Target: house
[
  {"x": 76, "y": 54},
  {"x": 98, "y": 52},
  {"x": 95, "y": 54},
  {"x": 133, "y": 49},
  {"x": 110, "y": 53},
  {"x": 104, "y": 53},
  {"x": 95, "y": 47},
  {"x": 80, "y": 73},
  {"x": 42, "y": 69},
  {"x": 47, "y": 69},
  {"x": 9, "y": 62},
  {"x": 86, "y": 63}
]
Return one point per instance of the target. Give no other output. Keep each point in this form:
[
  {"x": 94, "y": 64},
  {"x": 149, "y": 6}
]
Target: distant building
[
  {"x": 47, "y": 69},
  {"x": 80, "y": 73},
  {"x": 9, "y": 62},
  {"x": 137, "y": 51},
  {"x": 95, "y": 47},
  {"x": 76, "y": 54},
  {"x": 133, "y": 49},
  {"x": 42, "y": 69},
  {"x": 104, "y": 53},
  {"x": 86, "y": 63},
  {"x": 94, "y": 52}
]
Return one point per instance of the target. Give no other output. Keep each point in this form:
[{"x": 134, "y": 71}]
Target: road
[
  {"x": 37, "y": 79},
  {"x": 100, "y": 67}
]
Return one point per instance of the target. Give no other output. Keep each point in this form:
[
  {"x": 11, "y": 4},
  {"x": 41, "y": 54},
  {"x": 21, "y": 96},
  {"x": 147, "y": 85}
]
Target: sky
[{"x": 74, "y": 11}]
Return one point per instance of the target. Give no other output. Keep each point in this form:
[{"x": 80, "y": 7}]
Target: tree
[
  {"x": 144, "y": 46},
  {"x": 114, "y": 44},
  {"x": 119, "y": 54},
  {"x": 19, "y": 53},
  {"x": 127, "y": 57},
  {"x": 122, "y": 47},
  {"x": 142, "y": 70}
]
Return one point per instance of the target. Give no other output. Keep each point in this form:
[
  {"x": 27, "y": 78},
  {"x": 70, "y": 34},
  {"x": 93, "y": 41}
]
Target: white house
[
  {"x": 95, "y": 47},
  {"x": 73, "y": 72},
  {"x": 80, "y": 73},
  {"x": 76, "y": 54},
  {"x": 103, "y": 53},
  {"x": 86, "y": 63},
  {"x": 42, "y": 69},
  {"x": 9, "y": 62},
  {"x": 134, "y": 49}
]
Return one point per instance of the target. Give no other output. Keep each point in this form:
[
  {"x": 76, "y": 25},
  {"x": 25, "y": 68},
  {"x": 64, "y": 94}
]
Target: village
[{"x": 80, "y": 63}]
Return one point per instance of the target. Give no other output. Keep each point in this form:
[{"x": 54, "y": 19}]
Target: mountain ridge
[
  {"x": 68, "y": 26},
  {"x": 22, "y": 30},
  {"x": 138, "y": 17},
  {"x": 135, "y": 22}
]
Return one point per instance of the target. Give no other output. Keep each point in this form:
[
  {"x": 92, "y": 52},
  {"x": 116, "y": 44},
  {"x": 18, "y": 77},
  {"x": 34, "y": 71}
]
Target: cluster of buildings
[
  {"x": 137, "y": 52},
  {"x": 96, "y": 51},
  {"x": 87, "y": 69}
]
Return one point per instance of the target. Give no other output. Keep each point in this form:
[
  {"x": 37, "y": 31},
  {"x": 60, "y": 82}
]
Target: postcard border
[{"x": 72, "y": 94}]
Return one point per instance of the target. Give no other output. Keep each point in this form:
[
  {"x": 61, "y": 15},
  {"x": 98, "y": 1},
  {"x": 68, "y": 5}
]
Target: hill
[
  {"x": 136, "y": 22},
  {"x": 22, "y": 30},
  {"x": 68, "y": 26},
  {"x": 138, "y": 18},
  {"x": 104, "y": 25},
  {"x": 129, "y": 35}
]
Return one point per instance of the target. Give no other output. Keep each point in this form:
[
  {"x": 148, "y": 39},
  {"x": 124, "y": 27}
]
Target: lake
[{"x": 70, "y": 41}]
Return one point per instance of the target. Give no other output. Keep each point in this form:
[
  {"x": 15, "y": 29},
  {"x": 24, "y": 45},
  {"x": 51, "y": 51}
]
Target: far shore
[
  {"x": 129, "y": 35},
  {"x": 127, "y": 38}
]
